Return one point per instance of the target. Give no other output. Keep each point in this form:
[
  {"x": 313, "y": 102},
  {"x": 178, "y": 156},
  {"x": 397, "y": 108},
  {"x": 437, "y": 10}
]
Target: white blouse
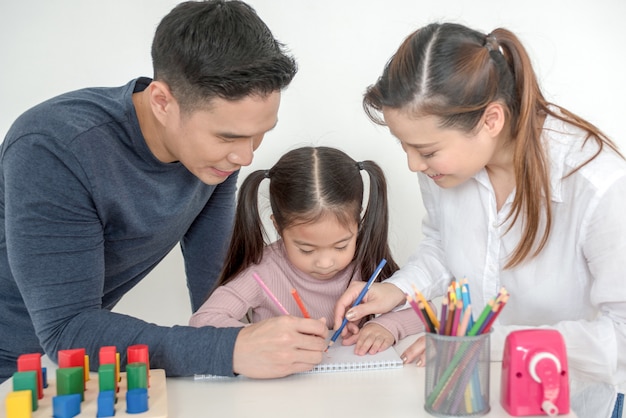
[{"x": 576, "y": 285}]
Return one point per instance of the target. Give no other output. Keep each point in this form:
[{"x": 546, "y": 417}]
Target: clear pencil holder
[{"x": 457, "y": 375}]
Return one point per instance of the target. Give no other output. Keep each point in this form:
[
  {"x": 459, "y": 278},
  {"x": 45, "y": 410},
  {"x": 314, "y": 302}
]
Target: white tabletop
[{"x": 378, "y": 393}]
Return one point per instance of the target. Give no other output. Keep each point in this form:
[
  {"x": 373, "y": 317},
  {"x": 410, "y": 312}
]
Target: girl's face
[
  {"x": 323, "y": 248},
  {"x": 448, "y": 156}
]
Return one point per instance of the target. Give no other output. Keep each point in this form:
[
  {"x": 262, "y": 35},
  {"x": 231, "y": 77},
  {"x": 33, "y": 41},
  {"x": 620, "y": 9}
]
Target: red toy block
[
  {"x": 30, "y": 362},
  {"x": 138, "y": 353}
]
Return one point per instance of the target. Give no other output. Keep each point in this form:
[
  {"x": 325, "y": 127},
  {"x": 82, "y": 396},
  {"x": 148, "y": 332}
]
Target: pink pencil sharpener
[{"x": 534, "y": 373}]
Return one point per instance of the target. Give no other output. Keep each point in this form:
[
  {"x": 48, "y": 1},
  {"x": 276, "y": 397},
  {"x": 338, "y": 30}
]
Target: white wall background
[{"x": 49, "y": 47}]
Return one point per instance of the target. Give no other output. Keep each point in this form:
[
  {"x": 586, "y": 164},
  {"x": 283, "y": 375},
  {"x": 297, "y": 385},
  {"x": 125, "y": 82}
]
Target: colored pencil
[
  {"x": 450, "y": 318},
  {"x": 270, "y": 294},
  {"x": 464, "y": 322},
  {"x": 465, "y": 296},
  {"x": 358, "y": 300},
  {"x": 444, "y": 312},
  {"x": 492, "y": 319},
  {"x": 429, "y": 311},
  {"x": 431, "y": 326},
  {"x": 481, "y": 319},
  {"x": 457, "y": 316},
  {"x": 296, "y": 296},
  {"x": 419, "y": 313}
]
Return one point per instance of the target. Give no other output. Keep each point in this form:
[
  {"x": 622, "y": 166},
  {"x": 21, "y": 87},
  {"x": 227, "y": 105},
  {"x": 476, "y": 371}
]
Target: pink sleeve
[{"x": 226, "y": 307}]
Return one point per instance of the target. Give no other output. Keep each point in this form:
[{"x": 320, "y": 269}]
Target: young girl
[
  {"x": 519, "y": 193},
  {"x": 327, "y": 239}
]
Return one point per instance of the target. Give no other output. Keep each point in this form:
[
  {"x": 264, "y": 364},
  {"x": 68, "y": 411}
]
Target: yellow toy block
[{"x": 19, "y": 404}]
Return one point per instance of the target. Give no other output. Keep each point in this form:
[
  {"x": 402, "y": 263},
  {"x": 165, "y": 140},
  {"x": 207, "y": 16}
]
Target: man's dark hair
[{"x": 216, "y": 48}]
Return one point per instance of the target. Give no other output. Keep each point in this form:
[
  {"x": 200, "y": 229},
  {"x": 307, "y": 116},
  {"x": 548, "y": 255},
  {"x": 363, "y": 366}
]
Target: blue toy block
[
  {"x": 66, "y": 406},
  {"x": 106, "y": 404},
  {"x": 44, "y": 376},
  {"x": 137, "y": 400}
]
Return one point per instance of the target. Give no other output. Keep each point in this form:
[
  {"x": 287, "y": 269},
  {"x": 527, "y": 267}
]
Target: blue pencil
[{"x": 358, "y": 300}]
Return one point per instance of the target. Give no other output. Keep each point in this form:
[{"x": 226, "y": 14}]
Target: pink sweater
[{"x": 229, "y": 304}]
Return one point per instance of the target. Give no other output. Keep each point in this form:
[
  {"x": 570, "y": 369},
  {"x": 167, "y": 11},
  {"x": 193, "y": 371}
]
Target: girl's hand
[
  {"x": 373, "y": 338},
  {"x": 350, "y": 334},
  {"x": 416, "y": 351}
]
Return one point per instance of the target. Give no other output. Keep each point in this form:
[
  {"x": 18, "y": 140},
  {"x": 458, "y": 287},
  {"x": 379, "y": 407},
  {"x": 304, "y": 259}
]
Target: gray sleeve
[{"x": 55, "y": 250}]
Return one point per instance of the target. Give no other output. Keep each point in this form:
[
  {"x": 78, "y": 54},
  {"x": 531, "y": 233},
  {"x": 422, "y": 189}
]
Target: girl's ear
[
  {"x": 494, "y": 118},
  {"x": 275, "y": 225}
]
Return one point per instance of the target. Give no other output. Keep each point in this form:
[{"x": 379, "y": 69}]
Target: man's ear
[{"x": 161, "y": 101}]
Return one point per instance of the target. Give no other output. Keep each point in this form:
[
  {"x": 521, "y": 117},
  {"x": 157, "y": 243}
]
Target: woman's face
[{"x": 448, "y": 156}]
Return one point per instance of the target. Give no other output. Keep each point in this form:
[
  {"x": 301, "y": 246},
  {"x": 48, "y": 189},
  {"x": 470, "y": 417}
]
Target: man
[{"x": 98, "y": 185}]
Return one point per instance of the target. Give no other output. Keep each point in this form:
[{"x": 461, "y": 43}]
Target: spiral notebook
[{"x": 341, "y": 358}]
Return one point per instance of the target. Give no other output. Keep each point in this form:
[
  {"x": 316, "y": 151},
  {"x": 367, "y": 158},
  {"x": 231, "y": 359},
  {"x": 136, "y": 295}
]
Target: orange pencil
[{"x": 296, "y": 296}]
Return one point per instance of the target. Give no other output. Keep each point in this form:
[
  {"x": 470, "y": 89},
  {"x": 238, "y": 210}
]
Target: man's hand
[{"x": 279, "y": 347}]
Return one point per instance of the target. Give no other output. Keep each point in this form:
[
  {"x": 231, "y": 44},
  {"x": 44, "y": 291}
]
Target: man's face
[{"x": 214, "y": 142}]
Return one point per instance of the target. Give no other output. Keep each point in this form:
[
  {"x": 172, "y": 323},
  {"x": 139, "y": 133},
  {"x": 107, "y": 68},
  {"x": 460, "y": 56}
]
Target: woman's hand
[
  {"x": 415, "y": 351},
  {"x": 380, "y": 298}
]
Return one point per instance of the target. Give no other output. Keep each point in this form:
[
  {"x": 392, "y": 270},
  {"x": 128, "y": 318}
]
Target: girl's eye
[
  {"x": 341, "y": 248},
  {"x": 432, "y": 154},
  {"x": 306, "y": 251}
]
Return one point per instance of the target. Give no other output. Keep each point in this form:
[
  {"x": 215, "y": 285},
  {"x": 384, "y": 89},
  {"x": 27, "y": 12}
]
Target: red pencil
[
  {"x": 419, "y": 313},
  {"x": 444, "y": 313},
  {"x": 296, "y": 296},
  {"x": 497, "y": 309},
  {"x": 457, "y": 316}
]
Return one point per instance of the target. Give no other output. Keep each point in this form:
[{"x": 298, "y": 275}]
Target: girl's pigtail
[
  {"x": 247, "y": 241},
  {"x": 372, "y": 242}
]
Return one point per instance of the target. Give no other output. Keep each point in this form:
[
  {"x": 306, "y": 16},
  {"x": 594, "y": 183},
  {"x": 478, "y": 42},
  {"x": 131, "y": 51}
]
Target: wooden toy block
[
  {"x": 27, "y": 381},
  {"x": 86, "y": 367},
  {"x": 109, "y": 355},
  {"x": 74, "y": 357},
  {"x": 157, "y": 399},
  {"x": 136, "y": 376},
  {"x": 138, "y": 353},
  {"x": 44, "y": 376},
  {"x": 32, "y": 361},
  {"x": 70, "y": 381},
  {"x": 18, "y": 404},
  {"x": 136, "y": 400},
  {"x": 142, "y": 391},
  {"x": 106, "y": 378},
  {"x": 66, "y": 406},
  {"x": 106, "y": 404}
]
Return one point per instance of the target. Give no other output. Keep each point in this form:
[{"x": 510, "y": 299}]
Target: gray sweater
[{"x": 87, "y": 212}]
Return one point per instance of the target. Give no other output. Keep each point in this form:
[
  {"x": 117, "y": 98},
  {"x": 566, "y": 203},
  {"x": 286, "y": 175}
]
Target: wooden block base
[{"x": 157, "y": 398}]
